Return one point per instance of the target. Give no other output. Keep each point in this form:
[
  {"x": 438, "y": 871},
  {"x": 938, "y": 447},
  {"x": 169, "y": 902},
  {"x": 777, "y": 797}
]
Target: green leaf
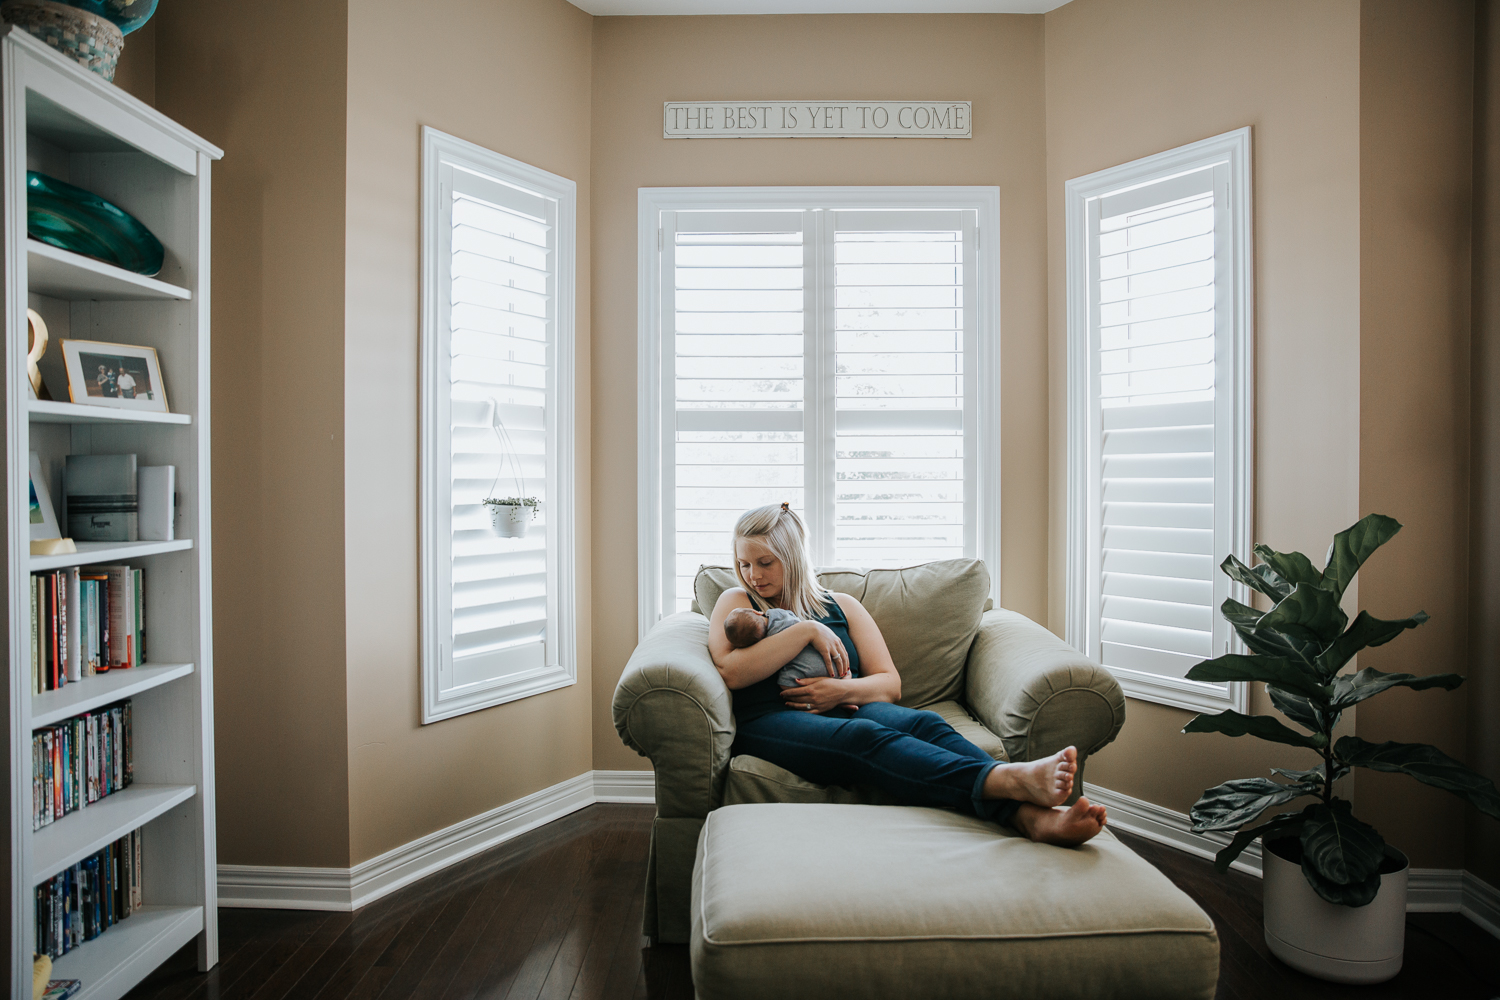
[
  {"x": 1425, "y": 763},
  {"x": 1239, "y": 615},
  {"x": 1341, "y": 854},
  {"x": 1293, "y": 567},
  {"x": 1357, "y": 894},
  {"x": 1244, "y": 838},
  {"x": 1301, "y": 710},
  {"x": 1313, "y": 775},
  {"x": 1237, "y": 802},
  {"x": 1263, "y": 726},
  {"x": 1270, "y": 669},
  {"x": 1262, "y": 578},
  {"x": 1351, "y": 689},
  {"x": 1309, "y": 614},
  {"x": 1367, "y": 630},
  {"x": 1352, "y": 546}
]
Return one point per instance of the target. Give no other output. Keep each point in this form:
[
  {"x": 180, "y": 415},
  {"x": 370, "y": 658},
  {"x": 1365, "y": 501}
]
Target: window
[
  {"x": 829, "y": 348},
  {"x": 497, "y": 415},
  {"x": 1159, "y": 449}
]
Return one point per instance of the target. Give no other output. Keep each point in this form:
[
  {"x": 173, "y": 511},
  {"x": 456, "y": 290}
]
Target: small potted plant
[
  {"x": 508, "y": 517},
  {"x": 1334, "y": 890}
]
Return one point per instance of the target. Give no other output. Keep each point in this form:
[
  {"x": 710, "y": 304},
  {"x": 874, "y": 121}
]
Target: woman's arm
[
  {"x": 878, "y": 681},
  {"x": 743, "y": 667}
]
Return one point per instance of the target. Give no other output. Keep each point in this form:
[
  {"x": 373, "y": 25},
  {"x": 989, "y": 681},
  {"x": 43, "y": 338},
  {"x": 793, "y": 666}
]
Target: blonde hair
[{"x": 780, "y": 529}]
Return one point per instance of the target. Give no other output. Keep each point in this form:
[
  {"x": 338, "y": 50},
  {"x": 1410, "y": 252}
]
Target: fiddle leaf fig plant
[{"x": 1300, "y": 646}]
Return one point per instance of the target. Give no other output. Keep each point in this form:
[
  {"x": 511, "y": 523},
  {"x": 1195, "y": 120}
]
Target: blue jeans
[{"x": 913, "y": 756}]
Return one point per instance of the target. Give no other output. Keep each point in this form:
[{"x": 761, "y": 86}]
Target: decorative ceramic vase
[
  {"x": 92, "y": 39},
  {"x": 71, "y": 218},
  {"x": 510, "y": 519},
  {"x": 1342, "y": 944}
]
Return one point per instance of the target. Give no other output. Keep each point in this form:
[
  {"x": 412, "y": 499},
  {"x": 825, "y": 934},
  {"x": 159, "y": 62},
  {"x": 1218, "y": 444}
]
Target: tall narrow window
[
  {"x": 1159, "y": 395},
  {"x": 824, "y": 349},
  {"x": 497, "y": 425}
]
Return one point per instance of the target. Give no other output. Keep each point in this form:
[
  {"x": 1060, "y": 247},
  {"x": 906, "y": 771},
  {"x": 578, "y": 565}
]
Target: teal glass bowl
[
  {"x": 127, "y": 15},
  {"x": 71, "y": 218}
]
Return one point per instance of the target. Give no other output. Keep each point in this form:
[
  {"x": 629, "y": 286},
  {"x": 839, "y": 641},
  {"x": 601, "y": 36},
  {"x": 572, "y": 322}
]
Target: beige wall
[
  {"x": 266, "y": 82},
  {"x": 993, "y": 60},
  {"x": 136, "y": 72},
  {"x": 512, "y": 76},
  {"x": 1127, "y": 78},
  {"x": 1416, "y": 130},
  {"x": 1482, "y": 843}
]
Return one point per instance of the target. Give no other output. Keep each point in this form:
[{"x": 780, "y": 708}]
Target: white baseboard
[
  {"x": 289, "y": 888},
  {"x": 636, "y": 787},
  {"x": 1431, "y": 890},
  {"x": 1168, "y": 826}
]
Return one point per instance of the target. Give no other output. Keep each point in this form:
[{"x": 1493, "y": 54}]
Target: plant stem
[{"x": 1328, "y": 769}]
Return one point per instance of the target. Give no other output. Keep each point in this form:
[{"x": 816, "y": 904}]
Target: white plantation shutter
[
  {"x": 735, "y": 302},
  {"x": 494, "y": 427},
  {"x": 1159, "y": 438},
  {"x": 823, "y": 359},
  {"x": 902, "y": 329}
]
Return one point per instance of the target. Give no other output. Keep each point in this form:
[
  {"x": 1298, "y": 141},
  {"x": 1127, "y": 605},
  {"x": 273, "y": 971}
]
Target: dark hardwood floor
[{"x": 556, "y": 914}]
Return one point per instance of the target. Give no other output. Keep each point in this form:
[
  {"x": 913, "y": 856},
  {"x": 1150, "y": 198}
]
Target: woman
[{"x": 912, "y": 755}]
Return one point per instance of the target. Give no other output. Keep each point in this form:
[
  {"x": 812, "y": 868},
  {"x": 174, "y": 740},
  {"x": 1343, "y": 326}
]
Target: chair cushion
[
  {"x": 928, "y": 614},
  {"x": 928, "y": 903}
]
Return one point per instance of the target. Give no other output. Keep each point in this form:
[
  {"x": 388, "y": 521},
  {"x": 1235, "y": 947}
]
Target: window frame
[
  {"x": 560, "y": 667},
  {"x": 1230, "y": 150},
  {"x": 651, "y": 443}
]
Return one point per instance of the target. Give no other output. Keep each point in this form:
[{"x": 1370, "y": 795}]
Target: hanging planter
[{"x": 509, "y": 517}]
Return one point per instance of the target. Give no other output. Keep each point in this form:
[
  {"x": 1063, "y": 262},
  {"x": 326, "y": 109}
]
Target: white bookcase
[{"x": 66, "y": 122}]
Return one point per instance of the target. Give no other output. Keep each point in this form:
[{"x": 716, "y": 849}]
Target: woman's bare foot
[
  {"x": 1046, "y": 782},
  {"x": 1069, "y": 827}
]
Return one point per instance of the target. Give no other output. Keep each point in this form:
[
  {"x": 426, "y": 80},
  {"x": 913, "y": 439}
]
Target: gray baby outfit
[{"x": 808, "y": 663}]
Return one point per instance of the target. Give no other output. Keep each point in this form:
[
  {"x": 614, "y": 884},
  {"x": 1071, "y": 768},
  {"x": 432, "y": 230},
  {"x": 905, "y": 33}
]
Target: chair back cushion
[{"x": 928, "y": 614}]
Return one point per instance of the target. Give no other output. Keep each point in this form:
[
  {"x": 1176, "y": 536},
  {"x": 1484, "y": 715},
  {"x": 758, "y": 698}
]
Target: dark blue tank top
[{"x": 764, "y": 696}]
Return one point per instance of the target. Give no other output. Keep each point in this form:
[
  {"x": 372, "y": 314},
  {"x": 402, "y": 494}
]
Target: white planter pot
[
  {"x": 510, "y": 520},
  {"x": 1342, "y": 944}
]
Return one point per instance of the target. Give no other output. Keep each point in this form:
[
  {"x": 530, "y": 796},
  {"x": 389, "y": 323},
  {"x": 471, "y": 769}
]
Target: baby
[{"x": 745, "y": 627}]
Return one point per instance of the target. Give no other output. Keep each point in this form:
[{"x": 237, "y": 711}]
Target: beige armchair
[{"x": 1003, "y": 681}]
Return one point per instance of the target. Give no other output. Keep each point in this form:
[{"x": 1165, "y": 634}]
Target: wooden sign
[{"x": 816, "y": 120}]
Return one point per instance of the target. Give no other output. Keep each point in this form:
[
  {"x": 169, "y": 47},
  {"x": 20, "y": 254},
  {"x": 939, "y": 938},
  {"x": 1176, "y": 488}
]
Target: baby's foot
[
  {"x": 1046, "y": 782},
  {"x": 1069, "y": 827}
]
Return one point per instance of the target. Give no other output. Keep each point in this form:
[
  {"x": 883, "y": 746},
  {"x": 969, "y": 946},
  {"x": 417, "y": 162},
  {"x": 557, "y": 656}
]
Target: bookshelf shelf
[
  {"x": 101, "y": 552},
  {"x": 69, "y": 123},
  {"x": 129, "y": 950},
  {"x": 101, "y": 689},
  {"x": 81, "y": 833},
  {"x": 46, "y": 411},
  {"x": 64, "y": 275}
]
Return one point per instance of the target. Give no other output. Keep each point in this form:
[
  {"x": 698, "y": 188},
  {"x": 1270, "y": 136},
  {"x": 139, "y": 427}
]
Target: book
[
  {"x": 74, "y": 661},
  {"x": 101, "y": 496},
  {"x": 156, "y": 490},
  {"x": 81, "y": 902},
  {"x": 122, "y": 607},
  {"x": 61, "y": 989}
]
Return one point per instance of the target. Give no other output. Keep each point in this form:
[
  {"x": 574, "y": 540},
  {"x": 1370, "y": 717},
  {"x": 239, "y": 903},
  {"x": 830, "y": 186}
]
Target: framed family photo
[{"x": 119, "y": 375}]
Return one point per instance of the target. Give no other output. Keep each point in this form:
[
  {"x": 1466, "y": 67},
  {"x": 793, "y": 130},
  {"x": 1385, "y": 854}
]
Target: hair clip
[{"x": 786, "y": 508}]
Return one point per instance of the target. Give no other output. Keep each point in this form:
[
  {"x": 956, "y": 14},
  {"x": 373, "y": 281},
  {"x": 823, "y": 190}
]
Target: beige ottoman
[{"x": 803, "y": 900}]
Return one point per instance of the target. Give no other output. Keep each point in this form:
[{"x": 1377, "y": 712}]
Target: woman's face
[{"x": 759, "y": 567}]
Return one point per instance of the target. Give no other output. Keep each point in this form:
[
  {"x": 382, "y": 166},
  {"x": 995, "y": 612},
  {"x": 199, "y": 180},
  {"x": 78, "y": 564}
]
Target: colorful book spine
[
  {"x": 81, "y": 760},
  {"x": 79, "y": 903}
]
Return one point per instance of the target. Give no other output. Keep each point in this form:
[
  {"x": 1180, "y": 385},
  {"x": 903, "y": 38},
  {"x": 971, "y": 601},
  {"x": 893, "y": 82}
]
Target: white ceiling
[{"x": 608, "y": 8}]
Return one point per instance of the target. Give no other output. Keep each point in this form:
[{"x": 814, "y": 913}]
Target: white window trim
[
  {"x": 561, "y": 669},
  {"x": 1232, "y": 149},
  {"x": 651, "y": 446}
]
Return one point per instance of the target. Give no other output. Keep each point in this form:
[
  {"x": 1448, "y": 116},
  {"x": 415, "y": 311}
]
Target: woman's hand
[
  {"x": 829, "y": 646},
  {"x": 816, "y": 694}
]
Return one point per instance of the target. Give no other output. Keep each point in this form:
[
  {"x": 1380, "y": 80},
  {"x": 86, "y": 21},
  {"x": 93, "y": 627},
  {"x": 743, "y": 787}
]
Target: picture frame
[
  {"x": 122, "y": 376},
  {"x": 43, "y": 516}
]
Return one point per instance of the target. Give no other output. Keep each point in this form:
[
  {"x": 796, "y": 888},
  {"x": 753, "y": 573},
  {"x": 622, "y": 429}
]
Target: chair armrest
[
  {"x": 671, "y": 705},
  {"x": 1037, "y": 693}
]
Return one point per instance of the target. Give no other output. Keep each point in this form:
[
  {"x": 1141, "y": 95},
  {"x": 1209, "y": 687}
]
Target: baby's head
[{"x": 744, "y": 627}]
